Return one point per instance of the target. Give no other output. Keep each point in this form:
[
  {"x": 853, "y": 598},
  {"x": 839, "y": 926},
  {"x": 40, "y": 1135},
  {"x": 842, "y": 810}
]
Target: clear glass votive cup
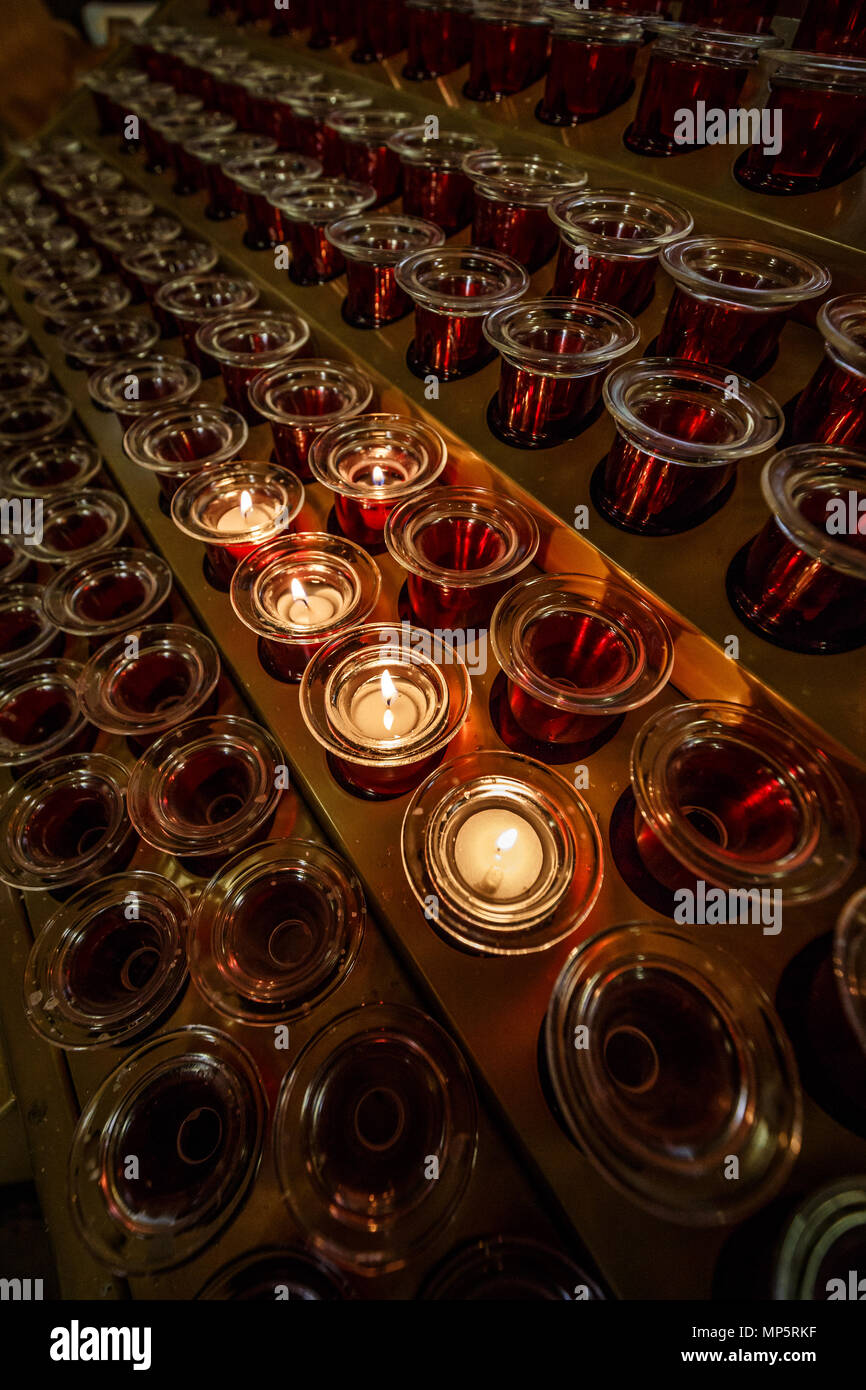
[
  {"x": 248, "y": 343},
  {"x": 306, "y": 213},
  {"x": 512, "y": 196},
  {"x": 108, "y": 594},
  {"x": 136, "y": 386},
  {"x": 367, "y": 156},
  {"x": 435, "y": 185},
  {"x": 182, "y": 439},
  {"x": 302, "y": 398},
  {"x": 233, "y": 508},
  {"x": 372, "y": 245},
  {"x": 191, "y": 300}
]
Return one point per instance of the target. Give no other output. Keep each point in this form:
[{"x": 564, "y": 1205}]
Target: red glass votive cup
[
  {"x": 453, "y": 290},
  {"x": 731, "y": 300},
  {"x": 592, "y": 58},
  {"x": 67, "y": 304},
  {"x": 439, "y": 37},
  {"x": 79, "y": 524},
  {"x": 555, "y": 353},
  {"x": 801, "y": 582},
  {"x": 249, "y": 343},
  {"x": 40, "y": 716},
  {"x": 64, "y": 824},
  {"x": 176, "y": 133},
  {"x": 306, "y": 213},
  {"x": 233, "y": 508},
  {"x": 26, "y": 632},
  {"x": 681, "y": 432},
  {"x": 609, "y": 244},
  {"x": 687, "y": 67},
  {"x": 299, "y": 591},
  {"x": 43, "y": 469},
  {"x": 138, "y": 689},
  {"x": 108, "y": 595},
  {"x": 578, "y": 651},
  {"x": 305, "y": 397},
  {"x": 832, "y": 406},
  {"x": 182, "y": 439},
  {"x": 206, "y": 789},
  {"x": 95, "y": 209},
  {"x": 833, "y": 26},
  {"x": 224, "y": 200},
  {"x": 93, "y": 343},
  {"x": 13, "y": 337},
  {"x": 22, "y": 375},
  {"x": 151, "y": 267},
  {"x": 366, "y": 155},
  {"x": 331, "y": 21},
  {"x": 260, "y": 183},
  {"x": 462, "y": 548},
  {"x": 136, "y": 386},
  {"x": 311, "y": 113},
  {"x": 372, "y": 246},
  {"x": 435, "y": 185},
  {"x": 385, "y": 707},
  {"x": 373, "y": 463},
  {"x": 118, "y": 238},
  {"x": 31, "y": 417},
  {"x": 510, "y": 43},
  {"x": 512, "y": 196},
  {"x": 740, "y": 801},
  {"x": 37, "y": 273},
  {"x": 818, "y": 103},
  {"x": 382, "y": 30},
  {"x": 192, "y": 300}
]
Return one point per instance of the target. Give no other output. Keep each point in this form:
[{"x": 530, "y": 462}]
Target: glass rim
[
  {"x": 170, "y": 296},
  {"x": 319, "y": 548},
  {"x": 53, "y": 403},
  {"x": 17, "y": 597},
  {"x": 214, "y": 967},
  {"x": 58, "y": 597},
  {"x": 99, "y": 677},
  {"x": 525, "y": 180},
  {"x": 819, "y": 1221},
  {"x": 36, "y": 368},
  {"x": 672, "y": 220},
  {"x": 716, "y": 45},
  {"x": 210, "y": 336},
  {"x": 446, "y": 151},
  {"x": 88, "y": 456},
  {"x": 361, "y": 126},
  {"x": 525, "y": 786},
  {"x": 348, "y": 233},
  {"x": 356, "y": 384},
  {"x": 106, "y": 382},
  {"x": 316, "y": 101},
  {"x": 815, "y": 868},
  {"x": 838, "y": 322},
  {"x": 59, "y": 1022},
  {"x": 503, "y": 329},
  {"x": 30, "y": 790},
  {"x": 142, "y": 263},
  {"x": 189, "y": 503},
  {"x": 444, "y": 261},
  {"x": 832, "y": 70},
  {"x": 139, "y": 438},
  {"x": 786, "y": 472},
  {"x": 807, "y": 278},
  {"x": 325, "y": 453},
  {"x": 495, "y": 509},
  {"x": 256, "y": 179},
  {"x": 111, "y": 505},
  {"x": 604, "y": 26},
  {"x": 343, "y": 656},
  {"x": 143, "y": 334},
  {"x": 41, "y": 673},
  {"x": 666, "y": 1183},
  {"x": 609, "y": 601},
  {"x": 323, "y": 200},
  {"x": 761, "y": 419},
  {"x": 149, "y": 794},
  {"x": 517, "y": 12},
  {"x": 23, "y": 271}
]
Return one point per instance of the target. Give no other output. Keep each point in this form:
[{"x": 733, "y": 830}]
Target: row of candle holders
[
  {"x": 659, "y": 477},
  {"x": 494, "y": 831},
  {"x": 588, "y": 59}
]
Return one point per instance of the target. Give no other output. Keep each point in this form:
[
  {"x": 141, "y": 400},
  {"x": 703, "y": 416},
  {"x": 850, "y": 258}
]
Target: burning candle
[
  {"x": 234, "y": 508},
  {"x": 246, "y": 515},
  {"x": 386, "y": 709},
  {"x": 317, "y": 605},
  {"x": 498, "y": 854}
]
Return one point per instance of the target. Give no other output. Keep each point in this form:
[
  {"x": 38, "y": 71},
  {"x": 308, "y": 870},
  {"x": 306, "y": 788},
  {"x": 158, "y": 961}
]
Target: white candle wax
[
  {"x": 239, "y": 519},
  {"x": 319, "y": 606},
  {"x": 498, "y": 854},
  {"x": 379, "y": 718}
]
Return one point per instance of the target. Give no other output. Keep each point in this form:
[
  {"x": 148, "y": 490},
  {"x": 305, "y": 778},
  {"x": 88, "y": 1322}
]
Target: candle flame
[
  {"x": 389, "y": 689},
  {"x": 378, "y": 475},
  {"x": 298, "y": 591},
  {"x": 388, "y": 720},
  {"x": 246, "y": 503},
  {"x": 507, "y": 840}
]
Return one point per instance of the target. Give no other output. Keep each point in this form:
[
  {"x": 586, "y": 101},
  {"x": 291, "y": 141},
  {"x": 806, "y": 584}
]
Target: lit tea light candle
[
  {"x": 387, "y": 709},
  {"x": 246, "y": 516},
  {"x": 498, "y": 854},
  {"x": 313, "y": 605}
]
